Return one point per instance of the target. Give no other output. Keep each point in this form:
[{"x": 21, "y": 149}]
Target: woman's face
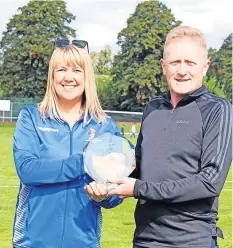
[{"x": 69, "y": 83}]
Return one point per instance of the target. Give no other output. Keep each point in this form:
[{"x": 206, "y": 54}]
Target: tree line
[{"x": 125, "y": 81}]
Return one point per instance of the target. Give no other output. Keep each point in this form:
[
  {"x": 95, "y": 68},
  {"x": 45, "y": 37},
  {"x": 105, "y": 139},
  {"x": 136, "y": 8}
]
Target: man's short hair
[{"x": 186, "y": 31}]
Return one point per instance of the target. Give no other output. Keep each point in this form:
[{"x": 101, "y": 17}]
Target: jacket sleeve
[
  {"x": 31, "y": 169},
  {"x": 109, "y": 202},
  {"x": 215, "y": 162}
]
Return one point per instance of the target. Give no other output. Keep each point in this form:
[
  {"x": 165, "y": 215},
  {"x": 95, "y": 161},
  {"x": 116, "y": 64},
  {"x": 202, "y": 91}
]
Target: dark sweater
[{"x": 183, "y": 156}]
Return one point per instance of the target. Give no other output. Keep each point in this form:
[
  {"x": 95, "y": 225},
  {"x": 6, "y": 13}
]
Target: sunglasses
[{"x": 78, "y": 43}]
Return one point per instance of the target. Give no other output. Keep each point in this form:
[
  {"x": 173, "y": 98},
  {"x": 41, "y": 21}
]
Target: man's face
[{"x": 184, "y": 66}]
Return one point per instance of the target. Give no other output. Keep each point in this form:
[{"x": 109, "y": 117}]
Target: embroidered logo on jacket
[
  {"x": 48, "y": 129},
  {"x": 182, "y": 122},
  {"x": 91, "y": 134}
]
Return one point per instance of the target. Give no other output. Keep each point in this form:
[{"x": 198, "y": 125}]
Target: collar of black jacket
[{"x": 202, "y": 90}]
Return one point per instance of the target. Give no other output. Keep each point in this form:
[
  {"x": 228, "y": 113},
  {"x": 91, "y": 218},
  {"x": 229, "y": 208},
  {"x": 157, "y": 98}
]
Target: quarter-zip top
[
  {"x": 183, "y": 156},
  {"x": 169, "y": 119}
]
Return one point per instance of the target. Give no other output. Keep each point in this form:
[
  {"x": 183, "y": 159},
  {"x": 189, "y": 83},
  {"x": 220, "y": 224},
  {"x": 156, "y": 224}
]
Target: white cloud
[
  {"x": 101, "y": 21},
  {"x": 212, "y": 17},
  {"x": 97, "y": 35}
]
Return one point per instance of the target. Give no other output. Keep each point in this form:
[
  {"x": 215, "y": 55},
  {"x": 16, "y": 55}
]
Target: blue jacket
[{"x": 53, "y": 210}]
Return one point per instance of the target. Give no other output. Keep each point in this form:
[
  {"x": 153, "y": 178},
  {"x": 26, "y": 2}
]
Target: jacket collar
[
  {"x": 89, "y": 118},
  {"x": 197, "y": 93}
]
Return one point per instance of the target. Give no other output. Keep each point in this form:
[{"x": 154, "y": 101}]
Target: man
[
  {"x": 133, "y": 131},
  {"x": 183, "y": 153},
  {"x": 123, "y": 130}
]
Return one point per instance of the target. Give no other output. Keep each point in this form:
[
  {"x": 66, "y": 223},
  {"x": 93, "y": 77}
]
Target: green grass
[{"x": 118, "y": 223}]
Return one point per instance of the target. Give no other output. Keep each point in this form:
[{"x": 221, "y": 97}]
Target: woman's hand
[{"x": 96, "y": 191}]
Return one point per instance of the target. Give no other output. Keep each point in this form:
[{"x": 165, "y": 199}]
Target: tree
[
  {"x": 105, "y": 91},
  {"x": 136, "y": 68},
  {"x": 105, "y": 61},
  {"x": 210, "y": 81},
  {"x": 212, "y": 86},
  {"x": 219, "y": 75},
  {"x": 1, "y": 70},
  {"x": 213, "y": 58},
  {"x": 94, "y": 57},
  {"x": 28, "y": 44},
  {"x": 224, "y": 74},
  {"x": 102, "y": 61}
]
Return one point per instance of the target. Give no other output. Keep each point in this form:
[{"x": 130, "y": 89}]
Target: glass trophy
[{"x": 108, "y": 157}]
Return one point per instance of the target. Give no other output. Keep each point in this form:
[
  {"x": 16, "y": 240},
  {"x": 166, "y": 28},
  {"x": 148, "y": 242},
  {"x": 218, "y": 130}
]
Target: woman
[{"x": 53, "y": 209}]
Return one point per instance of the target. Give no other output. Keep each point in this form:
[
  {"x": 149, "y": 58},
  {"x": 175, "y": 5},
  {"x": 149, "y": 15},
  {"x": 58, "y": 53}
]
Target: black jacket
[{"x": 183, "y": 156}]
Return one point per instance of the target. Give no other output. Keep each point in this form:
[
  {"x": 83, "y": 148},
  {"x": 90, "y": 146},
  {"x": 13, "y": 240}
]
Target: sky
[{"x": 100, "y": 21}]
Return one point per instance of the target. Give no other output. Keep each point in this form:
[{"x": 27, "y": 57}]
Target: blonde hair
[
  {"x": 72, "y": 56},
  {"x": 186, "y": 31}
]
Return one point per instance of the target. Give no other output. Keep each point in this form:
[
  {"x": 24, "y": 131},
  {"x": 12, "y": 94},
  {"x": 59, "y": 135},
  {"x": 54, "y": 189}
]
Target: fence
[{"x": 18, "y": 104}]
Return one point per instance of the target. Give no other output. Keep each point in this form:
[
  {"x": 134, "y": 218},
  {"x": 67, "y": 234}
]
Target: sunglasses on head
[{"x": 78, "y": 43}]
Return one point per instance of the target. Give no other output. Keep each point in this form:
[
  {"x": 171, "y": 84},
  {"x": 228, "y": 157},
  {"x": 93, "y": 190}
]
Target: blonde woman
[{"x": 52, "y": 208}]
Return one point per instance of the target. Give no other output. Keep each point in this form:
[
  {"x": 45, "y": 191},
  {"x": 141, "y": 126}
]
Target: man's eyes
[
  {"x": 179, "y": 62},
  {"x": 175, "y": 62},
  {"x": 190, "y": 62}
]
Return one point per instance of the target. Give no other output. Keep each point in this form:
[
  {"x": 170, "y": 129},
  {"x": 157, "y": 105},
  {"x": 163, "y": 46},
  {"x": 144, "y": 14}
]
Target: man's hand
[
  {"x": 96, "y": 191},
  {"x": 125, "y": 188}
]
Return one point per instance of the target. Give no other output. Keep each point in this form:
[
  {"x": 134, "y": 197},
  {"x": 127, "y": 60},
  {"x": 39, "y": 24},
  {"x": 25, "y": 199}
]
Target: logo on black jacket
[{"x": 185, "y": 122}]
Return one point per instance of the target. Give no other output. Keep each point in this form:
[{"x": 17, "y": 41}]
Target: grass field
[{"x": 118, "y": 223}]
